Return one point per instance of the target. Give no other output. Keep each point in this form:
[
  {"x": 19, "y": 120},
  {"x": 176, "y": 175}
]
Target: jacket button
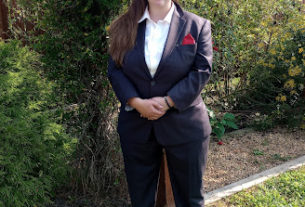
[{"x": 152, "y": 83}]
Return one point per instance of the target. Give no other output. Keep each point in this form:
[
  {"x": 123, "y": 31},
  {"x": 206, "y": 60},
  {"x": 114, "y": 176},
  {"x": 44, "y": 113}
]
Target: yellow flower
[
  {"x": 286, "y": 61},
  {"x": 281, "y": 57},
  {"x": 301, "y": 50},
  {"x": 302, "y": 126},
  {"x": 298, "y": 70},
  {"x": 261, "y": 45},
  {"x": 283, "y": 98},
  {"x": 293, "y": 58},
  {"x": 264, "y": 24},
  {"x": 278, "y": 98},
  {"x": 289, "y": 84},
  {"x": 293, "y": 92},
  {"x": 260, "y": 62},
  {"x": 294, "y": 71},
  {"x": 273, "y": 51},
  {"x": 284, "y": 76},
  {"x": 286, "y": 35},
  {"x": 107, "y": 28},
  {"x": 271, "y": 66},
  {"x": 291, "y": 72}
]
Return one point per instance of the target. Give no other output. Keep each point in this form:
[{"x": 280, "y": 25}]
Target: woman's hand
[
  {"x": 148, "y": 108},
  {"x": 162, "y": 102}
]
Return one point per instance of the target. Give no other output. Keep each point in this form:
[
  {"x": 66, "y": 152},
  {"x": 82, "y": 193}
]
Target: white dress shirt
[{"x": 155, "y": 38}]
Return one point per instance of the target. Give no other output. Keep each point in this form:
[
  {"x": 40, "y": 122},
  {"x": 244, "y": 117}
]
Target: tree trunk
[{"x": 3, "y": 20}]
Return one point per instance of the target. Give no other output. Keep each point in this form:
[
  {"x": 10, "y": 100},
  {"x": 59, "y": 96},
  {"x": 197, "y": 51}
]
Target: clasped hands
[{"x": 152, "y": 108}]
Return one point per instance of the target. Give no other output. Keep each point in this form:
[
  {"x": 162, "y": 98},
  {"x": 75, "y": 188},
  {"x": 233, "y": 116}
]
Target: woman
[{"x": 160, "y": 60}]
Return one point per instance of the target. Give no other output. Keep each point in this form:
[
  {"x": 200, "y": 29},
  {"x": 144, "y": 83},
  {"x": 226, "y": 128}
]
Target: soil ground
[{"x": 246, "y": 152}]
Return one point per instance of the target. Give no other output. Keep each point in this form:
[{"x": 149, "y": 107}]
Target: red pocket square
[{"x": 188, "y": 40}]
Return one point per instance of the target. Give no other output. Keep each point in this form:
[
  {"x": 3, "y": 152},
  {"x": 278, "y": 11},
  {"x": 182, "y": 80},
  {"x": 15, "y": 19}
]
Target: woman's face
[{"x": 159, "y": 3}]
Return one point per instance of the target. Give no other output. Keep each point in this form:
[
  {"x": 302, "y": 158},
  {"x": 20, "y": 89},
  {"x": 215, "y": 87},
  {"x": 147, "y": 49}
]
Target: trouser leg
[
  {"x": 142, "y": 166},
  {"x": 186, "y": 164}
]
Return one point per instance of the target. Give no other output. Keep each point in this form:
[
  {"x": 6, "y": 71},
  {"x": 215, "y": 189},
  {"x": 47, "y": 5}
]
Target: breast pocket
[
  {"x": 180, "y": 61},
  {"x": 187, "y": 52}
]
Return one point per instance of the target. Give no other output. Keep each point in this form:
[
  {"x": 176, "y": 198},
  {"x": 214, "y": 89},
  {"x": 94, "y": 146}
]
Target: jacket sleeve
[
  {"x": 185, "y": 91},
  {"x": 128, "y": 107},
  {"x": 122, "y": 86}
]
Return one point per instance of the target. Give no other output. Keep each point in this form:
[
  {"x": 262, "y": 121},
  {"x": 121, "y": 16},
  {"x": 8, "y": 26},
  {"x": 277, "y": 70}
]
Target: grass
[{"x": 285, "y": 190}]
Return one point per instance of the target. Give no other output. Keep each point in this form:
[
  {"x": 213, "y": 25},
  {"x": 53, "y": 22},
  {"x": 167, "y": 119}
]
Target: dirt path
[{"x": 246, "y": 152}]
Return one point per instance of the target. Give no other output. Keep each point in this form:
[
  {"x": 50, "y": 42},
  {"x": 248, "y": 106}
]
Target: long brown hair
[{"x": 123, "y": 30}]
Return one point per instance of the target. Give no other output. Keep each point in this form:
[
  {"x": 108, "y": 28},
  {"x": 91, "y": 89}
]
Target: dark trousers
[{"x": 186, "y": 164}]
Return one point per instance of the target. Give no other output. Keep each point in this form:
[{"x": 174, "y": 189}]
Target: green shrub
[
  {"x": 261, "y": 122},
  {"x": 72, "y": 40},
  {"x": 259, "y": 65},
  {"x": 276, "y": 83},
  {"x": 243, "y": 31},
  {"x": 34, "y": 147},
  {"x": 219, "y": 124}
]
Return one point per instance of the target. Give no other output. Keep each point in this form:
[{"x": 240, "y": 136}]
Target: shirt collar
[{"x": 167, "y": 18}]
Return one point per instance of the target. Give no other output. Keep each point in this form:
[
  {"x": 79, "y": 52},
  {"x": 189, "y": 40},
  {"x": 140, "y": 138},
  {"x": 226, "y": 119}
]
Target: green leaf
[
  {"x": 232, "y": 125},
  {"x": 218, "y": 132},
  {"x": 229, "y": 116},
  {"x": 223, "y": 122}
]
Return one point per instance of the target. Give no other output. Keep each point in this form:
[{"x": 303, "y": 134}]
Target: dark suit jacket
[{"x": 182, "y": 73}]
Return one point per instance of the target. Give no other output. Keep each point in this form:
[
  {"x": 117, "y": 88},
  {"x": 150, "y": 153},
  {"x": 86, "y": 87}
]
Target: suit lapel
[
  {"x": 175, "y": 28},
  {"x": 141, "y": 48}
]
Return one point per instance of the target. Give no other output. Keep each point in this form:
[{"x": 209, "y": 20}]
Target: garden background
[{"x": 58, "y": 112}]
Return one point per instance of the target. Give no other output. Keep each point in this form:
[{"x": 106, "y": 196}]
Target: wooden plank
[{"x": 165, "y": 196}]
